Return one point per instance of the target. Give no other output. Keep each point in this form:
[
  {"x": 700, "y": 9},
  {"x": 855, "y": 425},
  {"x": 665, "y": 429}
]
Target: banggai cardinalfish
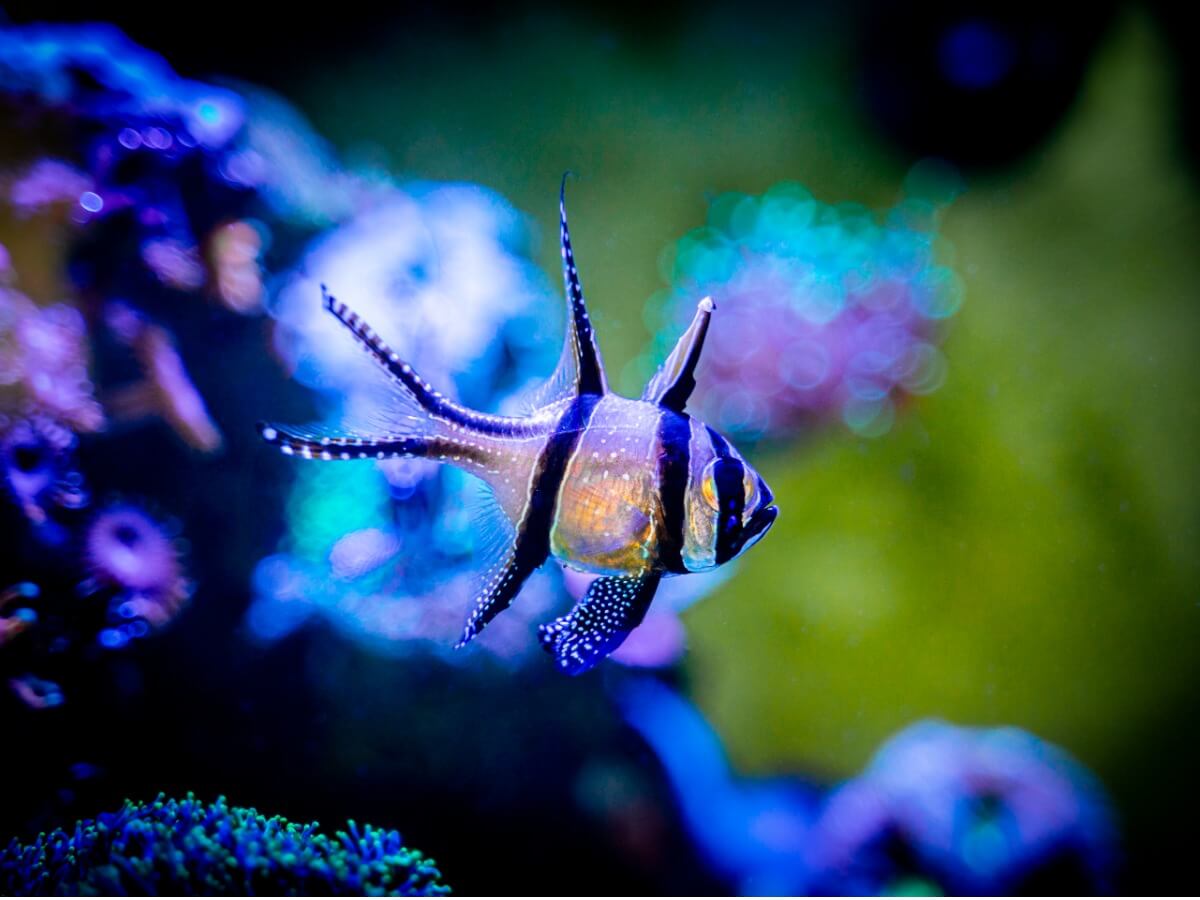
[{"x": 631, "y": 490}]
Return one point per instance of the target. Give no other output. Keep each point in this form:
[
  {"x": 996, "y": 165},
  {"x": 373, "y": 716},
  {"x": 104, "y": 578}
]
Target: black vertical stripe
[
  {"x": 674, "y": 438},
  {"x": 729, "y": 474},
  {"x": 533, "y": 534},
  {"x": 532, "y": 542}
]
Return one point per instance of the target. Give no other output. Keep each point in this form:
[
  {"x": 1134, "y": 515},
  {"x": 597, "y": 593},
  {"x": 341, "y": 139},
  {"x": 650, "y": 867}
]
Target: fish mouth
[{"x": 758, "y": 525}]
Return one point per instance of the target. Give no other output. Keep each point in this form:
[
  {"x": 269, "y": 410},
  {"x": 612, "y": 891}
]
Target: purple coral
[
  {"x": 16, "y": 616},
  {"x": 130, "y": 554},
  {"x": 113, "y": 578},
  {"x": 48, "y": 183},
  {"x": 44, "y": 359},
  {"x": 37, "y": 467},
  {"x": 828, "y": 311}
]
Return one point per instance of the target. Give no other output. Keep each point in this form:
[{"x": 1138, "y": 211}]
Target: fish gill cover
[{"x": 187, "y": 847}]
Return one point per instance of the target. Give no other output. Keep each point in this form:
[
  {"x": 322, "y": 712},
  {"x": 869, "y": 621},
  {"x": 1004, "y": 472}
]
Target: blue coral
[
  {"x": 187, "y": 847},
  {"x": 968, "y": 811}
]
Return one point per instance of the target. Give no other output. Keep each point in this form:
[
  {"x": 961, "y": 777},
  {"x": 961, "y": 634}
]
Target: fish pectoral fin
[
  {"x": 502, "y": 585},
  {"x": 600, "y": 622}
]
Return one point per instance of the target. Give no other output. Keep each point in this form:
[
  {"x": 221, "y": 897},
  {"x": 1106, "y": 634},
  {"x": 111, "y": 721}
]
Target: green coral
[{"x": 173, "y": 847}]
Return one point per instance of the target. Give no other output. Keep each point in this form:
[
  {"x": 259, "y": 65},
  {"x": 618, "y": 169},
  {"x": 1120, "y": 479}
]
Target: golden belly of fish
[{"x": 608, "y": 512}]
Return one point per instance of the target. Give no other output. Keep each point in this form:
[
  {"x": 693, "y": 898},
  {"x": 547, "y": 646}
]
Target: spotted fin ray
[
  {"x": 417, "y": 421},
  {"x": 411, "y": 384},
  {"x": 675, "y": 379},
  {"x": 580, "y": 367},
  {"x": 611, "y": 608},
  {"x": 501, "y": 586},
  {"x": 315, "y": 442}
]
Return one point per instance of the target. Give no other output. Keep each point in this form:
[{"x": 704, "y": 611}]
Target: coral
[
  {"x": 149, "y": 149},
  {"x": 106, "y": 578},
  {"x": 940, "y": 808},
  {"x": 16, "y": 617},
  {"x": 967, "y": 811},
  {"x": 187, "y": 847},
  {"x": 94, "y": 72},
  {"x": 827, "y": 311},
  {"x": 46, "y": 183},
  {"x": 130, "y": 555},
  {"x": 37, "y": 470},
  {"x": 148, "y": 170},
  {"x": 166, "y": 390},
  {"x": 44, "y": 360}
]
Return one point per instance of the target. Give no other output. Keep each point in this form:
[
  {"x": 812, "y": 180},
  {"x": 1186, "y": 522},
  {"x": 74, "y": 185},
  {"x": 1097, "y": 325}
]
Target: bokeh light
[{"x": 826, "y": 312}]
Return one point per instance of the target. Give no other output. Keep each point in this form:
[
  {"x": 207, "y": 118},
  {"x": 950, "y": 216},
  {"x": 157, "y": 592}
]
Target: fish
[{"x": 631, "y": 490}]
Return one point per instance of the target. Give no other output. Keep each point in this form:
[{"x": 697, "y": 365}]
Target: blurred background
[{"x": 1003, "y": 535}]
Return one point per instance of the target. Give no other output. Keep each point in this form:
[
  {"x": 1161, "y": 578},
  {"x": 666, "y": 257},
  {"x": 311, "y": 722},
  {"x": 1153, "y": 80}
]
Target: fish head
[{"x": 728, "y": 507}]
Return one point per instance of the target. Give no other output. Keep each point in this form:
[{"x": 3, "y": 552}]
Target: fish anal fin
[
  {"x": 501, "y": 586},
  {"x": 612, "y": 607}
]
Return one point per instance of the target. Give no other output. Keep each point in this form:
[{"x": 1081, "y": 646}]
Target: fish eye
[
  {"x": 750, "y": 481},
  {"x": 708, "y": 485}
]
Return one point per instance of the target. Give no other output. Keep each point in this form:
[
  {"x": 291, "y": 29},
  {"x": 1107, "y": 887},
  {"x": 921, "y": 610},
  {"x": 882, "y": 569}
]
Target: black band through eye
[{"x": 731, "y": 499}]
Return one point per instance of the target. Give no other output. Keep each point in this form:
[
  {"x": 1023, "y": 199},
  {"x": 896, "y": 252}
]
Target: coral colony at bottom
[{"x": 172, "y": 847}]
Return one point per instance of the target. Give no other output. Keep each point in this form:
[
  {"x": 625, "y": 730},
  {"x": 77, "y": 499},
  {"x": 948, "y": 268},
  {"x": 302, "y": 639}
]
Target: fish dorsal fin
[
  {"x": 675, "y": 379},
  {"x": 580, "y": 369}
]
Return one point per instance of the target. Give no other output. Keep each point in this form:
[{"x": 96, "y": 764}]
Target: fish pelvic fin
[
  {"x": 599, "y": 623},
  {"x": 675, "y": 379}
]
